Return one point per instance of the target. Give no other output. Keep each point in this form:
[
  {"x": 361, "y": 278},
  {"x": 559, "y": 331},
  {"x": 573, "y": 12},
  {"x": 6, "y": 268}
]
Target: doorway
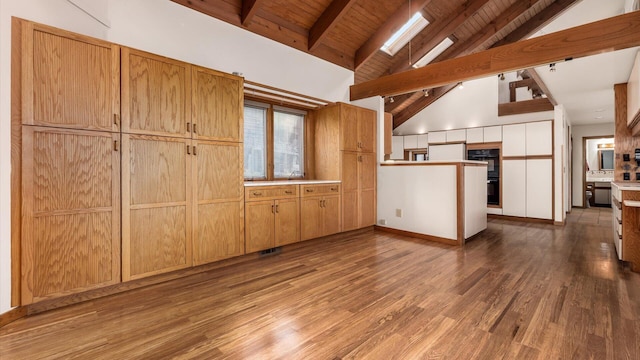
[{"x": 597, "y": 174}]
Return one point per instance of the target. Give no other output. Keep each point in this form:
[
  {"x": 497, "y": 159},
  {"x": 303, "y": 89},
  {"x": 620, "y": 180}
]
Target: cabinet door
[
  {"x": 410, "y": 142},
  {"x": 259, "y": 221},
  {"x": 156, "y": 94},
  {"x": 423, "y": 141},
  {"x": 456, "y": 136},
  {"x": 71, "y": 212},
  {"x": 493, "y": 134},
  {"x": 366, "y": 130},
  {"x": 437, "y": 137},
  {"x": 331, "y": 215},
  {"x": 350, "y": 161},
  {"x": 156, "y": 205},
  {"x": 513, "y": 140},
  {"x": 311, "y": 223},
  {"x": 539, "y": 138},
  {"x": 539, "y": 189},
  {"x": 514, "y": 192},
  {"x": 217, "y": 100},
  {"x": 350, "y": 185},
  {"x": 475, "y": 135},
  {"x": 349, "y": 127},
  {"x": 218, "y": 201},
  {"x": 287, "y": 224},
  {"x": 69, "y": 80},
  {"x": 367, "y": 207},
  {"x": 366, "y": 171},
  {"x": 397, "y": 148}
]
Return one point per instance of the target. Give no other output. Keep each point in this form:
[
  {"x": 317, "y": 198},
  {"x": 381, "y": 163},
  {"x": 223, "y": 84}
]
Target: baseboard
[
  {"x": 12, "y": 315},
  {"x": 418, "y": 235},
  {"x": 522, "y": 219}
]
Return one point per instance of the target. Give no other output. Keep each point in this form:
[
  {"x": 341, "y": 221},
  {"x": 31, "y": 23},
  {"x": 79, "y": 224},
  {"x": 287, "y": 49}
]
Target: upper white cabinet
[
  {"x": 493, "y": 134},
  {"x": 539, "y": 139},
  {"x": 457, "y": 135},
  {"x": 437, "y": 137},
  {"x": 397, "y": 147},
  {"x": 475, "y": 135},
  {"x": 423, "y": 141},
  {"x": 513, "y": 140},
  {"x": 410, "y": 142}
]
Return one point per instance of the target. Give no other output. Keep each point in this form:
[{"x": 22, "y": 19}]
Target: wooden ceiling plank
[
  {"x": 398, "y": 102},
  {"x": 384, "y": 32},
  {"x": 249, "y": 10},
  {"x": 329, "y": 18},
  {"x": 221, "y": 12},
  {"x": 615, "y": 33},
  {"x": 441, "y": 30},
  {"x": 524, "y": 107},
  {"x": 545, "y": 90}
]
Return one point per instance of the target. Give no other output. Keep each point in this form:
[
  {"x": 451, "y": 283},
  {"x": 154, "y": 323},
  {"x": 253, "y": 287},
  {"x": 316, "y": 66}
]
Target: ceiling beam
[
  {"x": 440, "y": 30},
  {"x": 545, "y": 90},
  {"x": 249, "y": 9},
  {"x": 329, "y": 18},
  {"x": 384, "y": 32},
  {"x": 616, "y": 33},
  {"x": 537, "y": 22}
]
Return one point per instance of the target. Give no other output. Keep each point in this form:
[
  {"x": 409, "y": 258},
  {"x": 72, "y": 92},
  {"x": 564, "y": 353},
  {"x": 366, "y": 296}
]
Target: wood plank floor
[{"x": 517, "y": 291}]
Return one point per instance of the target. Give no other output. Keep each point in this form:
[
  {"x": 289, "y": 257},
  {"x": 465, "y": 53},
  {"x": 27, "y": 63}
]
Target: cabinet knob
[
  {"x": 255, "y": 193},
  {"x": 288, "y": 192},
  {"x": 334, "y": 189},
  {"x": 309, "y": 190},
  {"x": 277, "y": 211}
]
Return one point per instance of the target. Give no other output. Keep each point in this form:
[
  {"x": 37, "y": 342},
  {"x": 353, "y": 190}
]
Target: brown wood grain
[
  {"x": 219, "y": 232},
  {"x": 311, "y": 217},
  {"x": 349, "y": 137},
  {"x": 388, "y": 133},
  {"x": 16, "y": 155},
  {"x": 259, "y": 226},
  {"x": 350, "y": 207},
  {"x": 287, "y": 221},
  {"x": 525, "y": 107},
  {"x": 327, "y": 21},
  {"x": 249, "y": 10},
  {"x": 631, "y": 230},
  {"x": 625, "y": 142}
]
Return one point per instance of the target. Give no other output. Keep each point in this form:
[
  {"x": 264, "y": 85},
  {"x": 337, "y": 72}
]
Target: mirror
[{"x": 605, "y": 158}]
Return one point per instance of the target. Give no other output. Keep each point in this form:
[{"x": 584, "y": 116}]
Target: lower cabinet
[
  {"x": 320, "y": 210},
  {"x": 527, "y": 188},
  {"x": 272, "y": 217}
]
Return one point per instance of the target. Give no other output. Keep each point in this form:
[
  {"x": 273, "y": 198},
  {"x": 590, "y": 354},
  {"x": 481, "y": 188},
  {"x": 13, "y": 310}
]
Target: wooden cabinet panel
[
  {"x": 366, "y": 130},
  {"x": 259, "y": 226},
  {"x": 350, "y": 210},
  {"x": 219, "y": 232},
  {"x": 349, "y": 171},
  {"x": 311, "y": 222},
  {"x": 69, "y": 80},
  {"x": 367, "y": 206},
  {"x": 270, "y": 192},
  {"x": 287, "y": 221},
  {"x": 514, "y": 140},
  {"x": 349, "y": 127},
  {"x": 219, "y": 173},
  {"x": 388, "y": 133},
  {"x": 71, "y": 212},
  {"x": 156, "y": 94},
  {"x": 367, "y": 172},
  {"x": 156, "y": 205},
  {"x": 331, "y": 215},
  {"x": 217, "y": 105}
]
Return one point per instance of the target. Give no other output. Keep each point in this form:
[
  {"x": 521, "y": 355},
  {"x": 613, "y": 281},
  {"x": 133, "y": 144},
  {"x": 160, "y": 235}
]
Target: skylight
[
  {"x": 401, "y": 37},
  {"x": 437, "y": 50}
]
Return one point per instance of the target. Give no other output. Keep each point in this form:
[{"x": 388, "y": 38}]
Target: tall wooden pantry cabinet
[{"x": 345, "y": 150}]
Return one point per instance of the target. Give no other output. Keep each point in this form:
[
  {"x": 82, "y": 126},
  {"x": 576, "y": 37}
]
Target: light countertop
[
  {"x": 633, "y": 186},
  {"x": 289, "y": 182},
  {"x": 432, "y": 162}
]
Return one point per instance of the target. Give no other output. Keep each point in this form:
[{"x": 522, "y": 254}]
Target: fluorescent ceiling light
[
  {"x": 437, "y": 50},
  {"x": 401, "y": 37}
]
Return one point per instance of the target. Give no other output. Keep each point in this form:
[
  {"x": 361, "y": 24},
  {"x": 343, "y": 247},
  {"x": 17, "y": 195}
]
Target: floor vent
[{"x": 272, "y": 251}]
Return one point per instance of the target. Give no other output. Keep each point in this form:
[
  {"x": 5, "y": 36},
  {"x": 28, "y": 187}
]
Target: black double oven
[{"x": 492, "y": 157}]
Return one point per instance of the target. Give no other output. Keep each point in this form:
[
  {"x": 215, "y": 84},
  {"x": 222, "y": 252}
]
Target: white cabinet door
[
  {"x": 513, "y": 140},
  {"x": 539, "y": 189},
  {"x": 411, "y": 142},
  {"x": 397, "y": 148},
  {"x": 514, "y": 188},
  {"x": 437, "y": 137},
  {"x": 539, "y": 139},
  {"x": 423, "y": 141},
  {"x": 475, "y": 135},
  {"x": 457, "y": 135},
  {"x": 493, "y": 134}
]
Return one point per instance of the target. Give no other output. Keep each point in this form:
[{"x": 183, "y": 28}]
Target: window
[
  {"x": 273, "y": 142},
  {"x": 401, "y": 37}
]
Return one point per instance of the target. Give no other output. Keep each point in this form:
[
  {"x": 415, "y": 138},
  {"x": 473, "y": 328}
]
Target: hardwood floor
[{"x": 516, "y": 291}]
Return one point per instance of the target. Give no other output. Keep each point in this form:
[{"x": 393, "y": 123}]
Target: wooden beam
[
  {"x": 440, "y": 30},
  {"x": 249, "y": 9},
  {"x": 616, "y": 33},
  {"x": 398, "y": 102},
  {"x": 524, "y": 107},
  {"x": 384, "y": 32},
  {"x": 421, "y": 104},
  {"x": 329, "y": 18},
  {"x": 545, "y": 90},
  {"x": 537, "y": 22}
]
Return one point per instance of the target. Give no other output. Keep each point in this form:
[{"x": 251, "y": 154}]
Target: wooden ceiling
[{"x": 349, "y": 33}]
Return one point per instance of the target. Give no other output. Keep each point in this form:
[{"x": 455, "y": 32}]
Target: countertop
[
  {"x": 289, "y": 182},
  {"x": 633, "y": 186},
  {"x": 431, "y": 162}
]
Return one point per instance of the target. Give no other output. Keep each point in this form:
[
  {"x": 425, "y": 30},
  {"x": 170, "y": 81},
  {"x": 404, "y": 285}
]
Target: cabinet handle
[
  {"x": 188, "y": 150},
  {"x": 115, "y": 119},
  {"x": 288, "y": 192},
  {"x": 309, "y": 190},
  {"x": 334, "y": 189},
  {"x": 188, "y": 127},
  {"x": 194, "y": 128},
  {"x": 272, "y": 209},
  {"x": 255, "y": 193},
  {"x": 194, "y": 150},
  {"x": 277, "y": 211},
  {"x": 115, "y": 145}
]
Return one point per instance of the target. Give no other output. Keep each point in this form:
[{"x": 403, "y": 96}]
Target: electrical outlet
[
  {"x": 383, "y": 222},
  {"x": 399, "y": 213},
  {"x": 638, "y": 176},
  {"x": 626, "y": 176}
]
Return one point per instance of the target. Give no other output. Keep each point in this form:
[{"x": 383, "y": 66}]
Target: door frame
[{"x": 584, "y": 163}]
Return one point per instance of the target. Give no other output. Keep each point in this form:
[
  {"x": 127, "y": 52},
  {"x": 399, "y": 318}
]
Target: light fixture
[
  {"x": 426, "y": 92},
  {"x": 501, "y": 76},
  {"x": 552, "y": 67},
  {"x": 401, "y": 37},
  {"x": 391, "y": 101},
  {"x": 433, "y": 53},
  {"x": 460, "y": 86}
]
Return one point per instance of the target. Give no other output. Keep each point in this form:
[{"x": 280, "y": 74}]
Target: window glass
[
  {"x": 288, "y": 145},
  {"x": 255, "y": 142}
]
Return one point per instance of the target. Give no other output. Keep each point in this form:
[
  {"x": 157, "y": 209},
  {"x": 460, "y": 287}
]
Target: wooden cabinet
[
  {"x": 388, "y": 133},
  {"x": 358, "y": 127},
  {"x": 216, "y": 105},
  {"x": 71, "y": 211},
  {"x": 156, "y": 95},
  {"x": 633, "y": 93},
  {"x": 320, "y": 208},
  {"x": 218, "y": 203},
  {"x": 272, "y": 216},
  {"x": 69, "y": 80}
]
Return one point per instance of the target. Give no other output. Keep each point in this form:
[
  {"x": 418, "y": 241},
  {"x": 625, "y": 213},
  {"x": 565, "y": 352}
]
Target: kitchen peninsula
[{"x": 444, "y": 201}]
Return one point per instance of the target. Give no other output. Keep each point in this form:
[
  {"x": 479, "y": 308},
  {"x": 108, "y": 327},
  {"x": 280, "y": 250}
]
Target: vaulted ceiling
[{"x": 349, "y": 33}]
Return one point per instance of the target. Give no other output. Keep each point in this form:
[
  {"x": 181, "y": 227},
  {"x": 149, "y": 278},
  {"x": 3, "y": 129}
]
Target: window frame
[{"x": 270, "y": 110}]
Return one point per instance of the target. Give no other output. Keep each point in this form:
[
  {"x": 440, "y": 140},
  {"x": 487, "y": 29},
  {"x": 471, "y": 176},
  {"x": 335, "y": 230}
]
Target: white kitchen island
[{"x": 444, "y": 201}]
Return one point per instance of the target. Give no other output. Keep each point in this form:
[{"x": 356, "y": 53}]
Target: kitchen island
[{"x": 444, "y": 201}]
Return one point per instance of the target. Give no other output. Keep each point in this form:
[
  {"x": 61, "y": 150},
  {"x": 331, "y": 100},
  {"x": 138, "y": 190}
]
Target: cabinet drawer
[
  {"x": 313, "y": 190},
  {"x": 257, "y": 193}
]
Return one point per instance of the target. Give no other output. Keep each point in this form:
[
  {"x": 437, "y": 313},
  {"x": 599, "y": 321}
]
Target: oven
[{"x": 492, "y": 157}]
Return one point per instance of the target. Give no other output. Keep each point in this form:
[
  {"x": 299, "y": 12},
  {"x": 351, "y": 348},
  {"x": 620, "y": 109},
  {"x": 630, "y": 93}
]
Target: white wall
[
  {"x": 578, "y": 173},
  {"x": 561, "y": 155},
  {"x": 165, "y": 28}
]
